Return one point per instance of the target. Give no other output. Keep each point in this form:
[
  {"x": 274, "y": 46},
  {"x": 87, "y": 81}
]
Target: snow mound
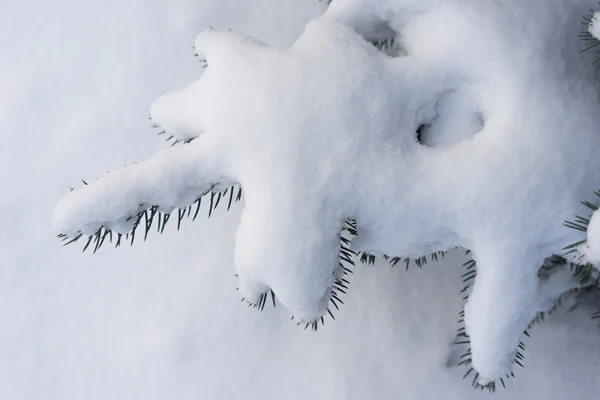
[{"x": 325, "y": 131}]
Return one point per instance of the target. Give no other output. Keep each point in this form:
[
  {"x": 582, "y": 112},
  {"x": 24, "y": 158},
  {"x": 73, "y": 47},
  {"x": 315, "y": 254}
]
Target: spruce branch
[
  {"x": 463, "y": 339},
  {"x": 146, "y": 219},
  {"x": 340, "y": 283}
]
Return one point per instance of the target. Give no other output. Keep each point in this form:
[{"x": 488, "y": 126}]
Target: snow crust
[{"x": 325, "y": 131}]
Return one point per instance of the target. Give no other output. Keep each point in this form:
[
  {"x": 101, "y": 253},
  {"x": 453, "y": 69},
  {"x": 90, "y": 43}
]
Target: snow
[
  {"x": 259, "y": 117},
  {"x": 288, "y": 178},
  {"x": 162, "y": 319},
  {"x": 594, "y": 26},
  {"x": 176, "y": 177},
  {"x": 590, "y": 250}
]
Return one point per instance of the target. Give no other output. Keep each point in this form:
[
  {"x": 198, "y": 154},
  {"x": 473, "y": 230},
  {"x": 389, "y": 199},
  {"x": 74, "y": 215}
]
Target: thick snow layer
[
  {"x": 492, "y": 186},
  {"x": 162, "y": 319},
  {"x": 314, "y": 141},
  {"x": 299, "y": 188}
]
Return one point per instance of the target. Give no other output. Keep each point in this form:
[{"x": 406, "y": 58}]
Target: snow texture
[
  {"x": 314, "y": 142},
  {"x": 594, "y": 26},
  {"x": 162, "y": 319}
]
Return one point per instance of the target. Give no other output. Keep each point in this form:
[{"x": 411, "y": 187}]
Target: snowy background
[{"x": 162, "y": 320}]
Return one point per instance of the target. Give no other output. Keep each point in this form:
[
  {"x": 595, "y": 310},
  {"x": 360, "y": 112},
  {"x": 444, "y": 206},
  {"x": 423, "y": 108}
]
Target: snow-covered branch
[
  {"x": 173, "y": 178},
  {"x": 326, "y": 132}
]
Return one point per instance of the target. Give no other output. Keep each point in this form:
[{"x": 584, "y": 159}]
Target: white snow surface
[
  {"x": 313, "y": 142},
  {"x": 161, "y": 320},
  {"x": 594, "y": 26}
]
